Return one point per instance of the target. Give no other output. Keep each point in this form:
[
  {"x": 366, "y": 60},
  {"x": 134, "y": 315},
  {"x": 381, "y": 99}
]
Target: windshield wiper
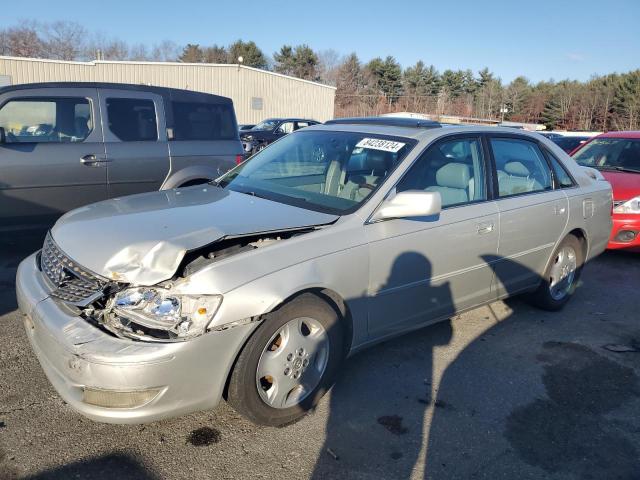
[
  {"x": 625, "y": 169},
  {"x": 617, "y": 168}
]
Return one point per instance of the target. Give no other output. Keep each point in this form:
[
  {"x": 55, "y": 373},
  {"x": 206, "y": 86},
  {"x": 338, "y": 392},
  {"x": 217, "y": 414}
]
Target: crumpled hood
[
  {"x": 141, "y": 239},
  {"x": 256, "y": 134}
]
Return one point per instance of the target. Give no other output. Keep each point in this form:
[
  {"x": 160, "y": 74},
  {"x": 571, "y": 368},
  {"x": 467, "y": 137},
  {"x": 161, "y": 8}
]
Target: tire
[
  {"x": 280, "y": 349},
  {"x": 552, "y": 294}
]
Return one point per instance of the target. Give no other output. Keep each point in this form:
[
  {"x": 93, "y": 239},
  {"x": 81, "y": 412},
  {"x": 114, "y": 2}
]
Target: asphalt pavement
[{"x": 502, "y": 392}]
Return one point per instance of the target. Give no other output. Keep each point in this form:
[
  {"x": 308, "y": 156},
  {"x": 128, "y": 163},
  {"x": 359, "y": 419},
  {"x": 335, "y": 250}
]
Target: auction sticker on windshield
[{"x": 379, "y": 144}]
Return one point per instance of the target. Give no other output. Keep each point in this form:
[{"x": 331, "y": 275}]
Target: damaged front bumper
[{"x": 142, "y": 382}]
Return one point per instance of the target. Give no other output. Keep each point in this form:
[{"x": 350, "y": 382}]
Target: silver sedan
[{"x": 257, "y": 287}]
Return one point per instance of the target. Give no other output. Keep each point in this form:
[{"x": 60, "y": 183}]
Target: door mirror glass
[{"x": 410, "y": 204}]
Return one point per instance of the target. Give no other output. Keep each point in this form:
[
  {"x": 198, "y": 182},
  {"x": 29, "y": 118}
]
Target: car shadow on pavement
[
  {"x": 510, "y": 404},
  {"x": 116, "y": 465},
  {"x": 543, "y": 407},
  {"x": 376, "y": 409}
]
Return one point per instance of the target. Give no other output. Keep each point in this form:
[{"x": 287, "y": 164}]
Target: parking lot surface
[{"x": 504, "y": 391}]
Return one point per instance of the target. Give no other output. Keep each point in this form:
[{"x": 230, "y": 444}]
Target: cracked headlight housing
[
  {"x": 160, "y": 314},
  {"x": 630, "y": 206}
]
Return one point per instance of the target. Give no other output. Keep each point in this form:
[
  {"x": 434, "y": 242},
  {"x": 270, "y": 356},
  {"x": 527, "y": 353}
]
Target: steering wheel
[{"x": 367, "y": 185}]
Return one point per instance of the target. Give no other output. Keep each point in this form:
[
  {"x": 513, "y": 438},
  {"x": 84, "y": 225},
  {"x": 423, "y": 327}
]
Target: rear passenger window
[
  {"x": 203, "y": 121},
  {"x": 454, "y": 168},
  {"x": 132, "y": 119},
  {"x": 521, "y": 167},
  {"x": 46, "y": 120},
  {"x": 563, "y": 177}
]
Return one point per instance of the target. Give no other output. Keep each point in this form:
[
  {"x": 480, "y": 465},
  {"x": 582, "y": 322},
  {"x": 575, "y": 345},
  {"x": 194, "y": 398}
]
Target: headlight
[
  {"x": 630, "y": 206},
  {"x": 161, "y": 314}
]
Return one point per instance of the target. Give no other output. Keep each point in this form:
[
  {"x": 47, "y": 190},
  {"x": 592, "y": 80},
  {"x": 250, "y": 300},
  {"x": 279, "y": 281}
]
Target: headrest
[
  {"x": 453, "y": 175},
  {"x": 517, "y": 169},
  {"x": 376, "y": 160}
]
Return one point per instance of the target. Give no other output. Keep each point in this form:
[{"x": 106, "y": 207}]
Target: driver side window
[
  {"x": 46, "y": 120},
  {"x": 454, "y": 168},
  {"x": 284, "y": 128}
]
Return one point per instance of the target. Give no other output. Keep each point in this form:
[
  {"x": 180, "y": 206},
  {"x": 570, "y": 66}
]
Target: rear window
[{"x": 203, "y": 121}]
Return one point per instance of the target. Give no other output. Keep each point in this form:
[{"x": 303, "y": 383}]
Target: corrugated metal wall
[{"x": 281, "y": 96}]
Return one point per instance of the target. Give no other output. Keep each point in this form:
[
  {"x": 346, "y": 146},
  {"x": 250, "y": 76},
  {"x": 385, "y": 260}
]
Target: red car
[{"x": 617, "y": 156}]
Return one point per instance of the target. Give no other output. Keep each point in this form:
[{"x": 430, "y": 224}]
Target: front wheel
[
  {"x": 289, "y": 363},
  {"x": 561, "y": 277}
]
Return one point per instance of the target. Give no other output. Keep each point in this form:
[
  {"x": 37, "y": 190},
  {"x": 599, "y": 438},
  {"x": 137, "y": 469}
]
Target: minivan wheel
[
  {"x": 559, "y": 281},
  {"x": 289, "y": 363}
]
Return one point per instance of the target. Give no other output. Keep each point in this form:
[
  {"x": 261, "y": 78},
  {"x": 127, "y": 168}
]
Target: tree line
[{"x": 378, "y": 86}]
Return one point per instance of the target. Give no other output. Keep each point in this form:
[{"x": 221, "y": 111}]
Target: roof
[
  {"x": 290, "y": 119},
  {"x": 623, "y": 134},
  {"x": 419, "y": 133},
  {"x": 164, "y": 64},
  {"x": 173, "y": 93},
  {"x": 386, "y": 121}
]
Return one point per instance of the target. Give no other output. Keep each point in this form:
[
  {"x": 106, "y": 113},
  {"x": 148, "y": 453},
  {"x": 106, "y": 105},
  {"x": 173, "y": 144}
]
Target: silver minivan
[
  {"x": 64, "y": 145},
  {"x": 256, "y": 287}
]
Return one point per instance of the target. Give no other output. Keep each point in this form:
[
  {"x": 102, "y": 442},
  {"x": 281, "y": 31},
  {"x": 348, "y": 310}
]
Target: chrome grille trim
[{"x": 69, "y": 281}]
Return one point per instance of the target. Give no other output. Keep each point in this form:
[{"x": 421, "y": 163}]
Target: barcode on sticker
[{"x": 379, "y": 144}]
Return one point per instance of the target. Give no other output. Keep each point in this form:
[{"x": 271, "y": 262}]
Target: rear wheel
[
  {"x": 289, "y": 363},
  {"x": 560, "y": 280}
]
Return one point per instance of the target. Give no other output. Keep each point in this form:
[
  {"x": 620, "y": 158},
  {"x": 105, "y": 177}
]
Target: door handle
[
  {"x": 93, "y": 160},
  {"x": 486, "y": 227},
  {"x": 559, "y": 210}
]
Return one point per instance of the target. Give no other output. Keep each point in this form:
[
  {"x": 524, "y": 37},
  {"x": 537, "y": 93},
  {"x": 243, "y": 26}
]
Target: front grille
[{"x": 69, "y": 281}]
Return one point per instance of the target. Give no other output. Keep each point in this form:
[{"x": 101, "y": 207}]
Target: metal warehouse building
[{"x": 256, "y": 94}]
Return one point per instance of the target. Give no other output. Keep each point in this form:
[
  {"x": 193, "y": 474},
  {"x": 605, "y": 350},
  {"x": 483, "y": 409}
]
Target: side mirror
[
  {"x": 411, "y": 203},
  {"x": 3, "y": 136}
]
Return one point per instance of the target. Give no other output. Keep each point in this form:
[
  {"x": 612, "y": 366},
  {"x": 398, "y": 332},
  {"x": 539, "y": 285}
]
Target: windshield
[
  {"x": 266, "y": 125},
  {"x": 330, "y": 172},
  {"x": 568, "y": 144},
  {"x": 610, "y": 154}
]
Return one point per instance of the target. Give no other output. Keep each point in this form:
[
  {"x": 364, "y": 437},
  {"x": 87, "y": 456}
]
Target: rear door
[
  {"x": 532, "y": 214},
  {"x": 53, "y": 157},
  {"x": 135, "y": 140}
]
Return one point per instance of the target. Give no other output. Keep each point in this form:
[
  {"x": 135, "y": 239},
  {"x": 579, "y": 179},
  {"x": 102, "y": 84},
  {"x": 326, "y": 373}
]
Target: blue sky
[{"x": 540, "y": 39}]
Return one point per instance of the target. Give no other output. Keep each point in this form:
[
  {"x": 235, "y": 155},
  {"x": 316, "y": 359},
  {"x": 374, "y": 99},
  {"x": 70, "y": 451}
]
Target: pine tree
[
  {"x": 552, "y": 113},
  {"x": 215, "y": 54},
  {"x": 385, "y": 77},
  {"x": 285, "y": 62},
  {"x": 626, "y": 101},
  {"x": 251, "y": 55},
  {"x": 192, "y": 53}
]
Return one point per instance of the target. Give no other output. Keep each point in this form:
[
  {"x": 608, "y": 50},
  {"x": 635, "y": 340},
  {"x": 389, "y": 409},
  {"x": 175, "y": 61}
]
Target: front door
[
  {"x": 52, "y": 159},
  {"x": 425, "y": 269},
  {"x": 136, "y": 141}
]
